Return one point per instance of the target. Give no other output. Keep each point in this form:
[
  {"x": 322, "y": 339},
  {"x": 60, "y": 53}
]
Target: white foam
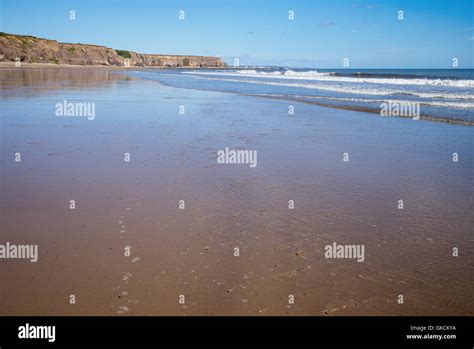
[
  {"x": 314, "y": 75},
  {"x": 459, "y": 105},
  {"x": 350, "y": 90},
  {"x": 305, "y": 74}
]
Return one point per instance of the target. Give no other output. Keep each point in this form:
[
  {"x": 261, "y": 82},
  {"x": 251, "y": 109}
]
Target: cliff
[{"x": 30, "y": 49}]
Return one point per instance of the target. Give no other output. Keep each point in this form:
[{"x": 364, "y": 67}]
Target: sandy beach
[{"x": 190, "y": 252}]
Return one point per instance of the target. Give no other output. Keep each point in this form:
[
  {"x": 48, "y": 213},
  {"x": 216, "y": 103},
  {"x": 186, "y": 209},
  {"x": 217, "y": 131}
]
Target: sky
[{"x": 259, "y": 32}]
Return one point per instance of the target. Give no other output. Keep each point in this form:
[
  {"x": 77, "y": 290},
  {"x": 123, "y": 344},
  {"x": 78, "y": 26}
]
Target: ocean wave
[
  {"x": 287, "y": 73},
  {"x": 332, "y": 77},
  {"x": 459, "y": 105},
  {"x": 350, "y": 90},
  {"x": 393, "y": 75}
]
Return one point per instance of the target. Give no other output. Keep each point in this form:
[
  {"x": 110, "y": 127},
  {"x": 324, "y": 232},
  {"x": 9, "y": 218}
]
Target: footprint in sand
[
  {"x": 136, "y": 259},
  {"x": 122, "y": 309},
  {"x": 127, "y": 276}
]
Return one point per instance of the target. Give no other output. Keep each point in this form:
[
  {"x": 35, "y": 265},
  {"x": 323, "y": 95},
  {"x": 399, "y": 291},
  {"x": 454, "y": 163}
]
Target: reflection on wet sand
[{"x": 22, "y": 82}]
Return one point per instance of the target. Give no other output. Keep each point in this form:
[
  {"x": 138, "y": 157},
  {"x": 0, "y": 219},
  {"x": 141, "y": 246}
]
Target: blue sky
[{"x": 369, "y": 33}]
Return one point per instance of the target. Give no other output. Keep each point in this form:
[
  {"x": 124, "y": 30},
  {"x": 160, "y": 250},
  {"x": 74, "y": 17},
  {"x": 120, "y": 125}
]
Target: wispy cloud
[
  {"x": 362, "y": 5},
  {"x": 328, "y": 23}
]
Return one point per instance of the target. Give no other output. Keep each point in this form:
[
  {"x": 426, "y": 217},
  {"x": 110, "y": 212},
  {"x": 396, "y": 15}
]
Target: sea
[{"x": 441, "y": 94}]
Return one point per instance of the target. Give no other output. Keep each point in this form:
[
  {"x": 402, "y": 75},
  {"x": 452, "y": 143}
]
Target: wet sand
[{"x": 190, "y": 252}]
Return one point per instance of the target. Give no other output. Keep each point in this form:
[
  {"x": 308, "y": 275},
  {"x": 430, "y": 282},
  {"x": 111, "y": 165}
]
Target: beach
[{"x": 189, "y": 250}]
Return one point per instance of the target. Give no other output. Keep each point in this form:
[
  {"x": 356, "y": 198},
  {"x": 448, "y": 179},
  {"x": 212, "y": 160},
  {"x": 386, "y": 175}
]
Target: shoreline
[
  {"x": 288, "y": 98},
  {"x": 331, "y": 106},
  {"x": 369, "y": 110}
]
